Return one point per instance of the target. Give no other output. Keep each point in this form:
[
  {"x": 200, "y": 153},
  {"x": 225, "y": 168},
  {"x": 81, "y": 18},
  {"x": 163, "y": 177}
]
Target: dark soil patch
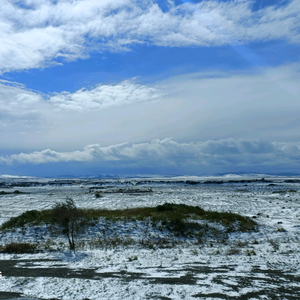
[
  {"x": 275, "y": 285},
  {"x": 9, "y": 295}
]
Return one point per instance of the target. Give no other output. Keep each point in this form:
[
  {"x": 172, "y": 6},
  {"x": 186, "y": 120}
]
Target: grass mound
[
  {"x": 32, "y": 217},
  {"x": 176, "y": 215},
  {"x": 181, "y": 219}
]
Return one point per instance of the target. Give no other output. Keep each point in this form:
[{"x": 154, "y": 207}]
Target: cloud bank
[
  {"x": 167, "y": 152},
  {"x": 38, "y": 33},
  {"x": 195, "y": 107}
]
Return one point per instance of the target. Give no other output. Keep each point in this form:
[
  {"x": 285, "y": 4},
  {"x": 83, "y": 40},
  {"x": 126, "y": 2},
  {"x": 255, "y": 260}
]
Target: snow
[{"x": 256, "y": 265}]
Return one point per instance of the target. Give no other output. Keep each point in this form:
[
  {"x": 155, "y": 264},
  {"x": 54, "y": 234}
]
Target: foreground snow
[{"x": 258, "y": 265}]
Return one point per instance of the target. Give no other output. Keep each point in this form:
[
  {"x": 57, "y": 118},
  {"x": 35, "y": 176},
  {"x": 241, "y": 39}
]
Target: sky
[{"x": 166, "y": 87}]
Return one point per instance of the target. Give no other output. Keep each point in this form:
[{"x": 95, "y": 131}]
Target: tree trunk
[{"x": 71, "y": 242}]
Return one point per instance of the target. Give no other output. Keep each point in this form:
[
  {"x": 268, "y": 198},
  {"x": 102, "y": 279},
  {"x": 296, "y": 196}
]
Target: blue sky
[{"x": 149, "y": 87}]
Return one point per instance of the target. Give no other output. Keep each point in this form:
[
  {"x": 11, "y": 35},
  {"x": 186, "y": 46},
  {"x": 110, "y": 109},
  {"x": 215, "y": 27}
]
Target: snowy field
[{"x": 259, "y": 265}]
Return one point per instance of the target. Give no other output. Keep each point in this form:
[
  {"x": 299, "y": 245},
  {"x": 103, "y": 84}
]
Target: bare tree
[{"x": 69, "y": 220}]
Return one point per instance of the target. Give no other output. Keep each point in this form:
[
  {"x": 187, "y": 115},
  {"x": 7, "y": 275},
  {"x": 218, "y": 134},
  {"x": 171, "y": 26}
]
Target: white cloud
[
  {"x": 46, "y": 156},
  {"x": 167, "y": 152},
  {"x": 103, "y": 96},
  {"x": 30, "y": 118},
  {"x": 37, "y": 34},
  {"x": 19, "y": 106},
  {"x": 19, "y": 103},
  {"x": 194, "y": 107}
]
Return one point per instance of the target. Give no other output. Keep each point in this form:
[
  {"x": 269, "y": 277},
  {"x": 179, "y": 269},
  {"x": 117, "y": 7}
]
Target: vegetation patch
[
  {"x": 177, "y": 217},
  {"x": 14, "y": 192},
  {"x": 4, "y": 193},
  {"x": 284, "y": 192},
  {"x": 19, "y": 248},
  {"x": 167, "y": 220},
  {"x": 30, "y": 217}
]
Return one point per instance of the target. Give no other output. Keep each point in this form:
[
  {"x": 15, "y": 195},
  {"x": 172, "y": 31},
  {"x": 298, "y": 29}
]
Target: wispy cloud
[
  {"x": 39, "y": 32},
  {"x": 167, "y": 152},
  {"x": 16, "y": 101},
  {"x": 103, "y": 96}
]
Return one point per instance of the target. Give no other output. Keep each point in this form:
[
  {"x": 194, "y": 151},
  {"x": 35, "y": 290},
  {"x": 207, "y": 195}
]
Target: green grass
[
  {"x": 174, "y": 216},
  {"x": 177, "y": 218},
  {"x": 32, "y": 217}
]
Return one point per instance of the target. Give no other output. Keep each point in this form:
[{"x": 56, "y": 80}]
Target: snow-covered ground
[{"x": 258, "y": 265}]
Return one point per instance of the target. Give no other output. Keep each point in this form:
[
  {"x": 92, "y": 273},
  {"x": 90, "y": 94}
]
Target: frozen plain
[{"x": 256, "y": 265}]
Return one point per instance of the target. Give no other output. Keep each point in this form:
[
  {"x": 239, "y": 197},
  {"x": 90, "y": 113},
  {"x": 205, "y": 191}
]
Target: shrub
[
  {"x": 69, "y": 220},
  {"x": 233, "y": 251},
  {"x": 132, "y": 258},
  {"x": 98, "y": 195},
  {"x": 19, "y": 248}
]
